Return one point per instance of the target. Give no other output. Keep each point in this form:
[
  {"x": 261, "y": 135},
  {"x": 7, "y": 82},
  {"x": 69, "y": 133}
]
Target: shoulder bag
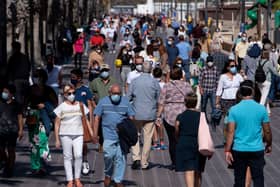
[
  {"x": 205, "y": 142},
  {"x": 88, "y": 133}
]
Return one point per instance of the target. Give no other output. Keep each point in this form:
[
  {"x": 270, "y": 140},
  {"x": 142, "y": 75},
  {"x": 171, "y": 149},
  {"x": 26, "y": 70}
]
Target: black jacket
[{"x": 127, "y": 134}]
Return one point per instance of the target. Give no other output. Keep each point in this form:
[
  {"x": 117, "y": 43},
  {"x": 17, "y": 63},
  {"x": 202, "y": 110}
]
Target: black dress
[{"x": 187, "y": 155}]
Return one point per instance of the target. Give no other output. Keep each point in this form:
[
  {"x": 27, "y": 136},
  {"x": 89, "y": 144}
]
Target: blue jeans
[
  {"x": 275, "y": 85},
  {"x": 204, "y": 100},
  {"x": 186, "y": 69},
  {"x": 114, "y": 159}
]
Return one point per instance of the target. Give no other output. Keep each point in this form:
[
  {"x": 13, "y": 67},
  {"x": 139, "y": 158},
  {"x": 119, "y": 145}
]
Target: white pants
[
  {"x": 264, "y": 88},
  {"x": 72, "y": 144}
]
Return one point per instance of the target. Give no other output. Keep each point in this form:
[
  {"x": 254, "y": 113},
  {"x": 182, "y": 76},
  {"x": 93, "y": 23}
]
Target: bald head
[
  {"x": 147, "y": 67},
  {"x": 115, "y": 89}
]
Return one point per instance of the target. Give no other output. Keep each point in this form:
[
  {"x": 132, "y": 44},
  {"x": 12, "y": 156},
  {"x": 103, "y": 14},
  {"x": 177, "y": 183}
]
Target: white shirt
[
  {"x": 71, "y": 118},
  {"x": 124, "y": 42},
  {"x": 227, "y": 88},
  {"x": 53, "y": 76},
  {"x": 110, "y": 32},
  {"x": 132, "y": 75}
]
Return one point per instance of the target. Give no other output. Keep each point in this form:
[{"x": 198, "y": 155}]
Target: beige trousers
[{"x": 148, "y": 130}]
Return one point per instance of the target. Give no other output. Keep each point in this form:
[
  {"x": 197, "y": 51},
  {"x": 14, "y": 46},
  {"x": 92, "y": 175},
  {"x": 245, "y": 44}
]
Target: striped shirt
[{"x": 112, "y": 115}]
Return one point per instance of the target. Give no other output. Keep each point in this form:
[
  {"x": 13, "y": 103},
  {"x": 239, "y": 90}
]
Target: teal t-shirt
[{"x": 248, "y": 117}]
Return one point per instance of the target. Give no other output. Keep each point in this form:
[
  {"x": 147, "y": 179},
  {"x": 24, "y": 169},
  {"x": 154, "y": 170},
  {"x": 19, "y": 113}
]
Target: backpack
[
  {"x": 195, "y": 67},
  {"x": 254, "y": 51},
  {"x": 260, "y": 76}
]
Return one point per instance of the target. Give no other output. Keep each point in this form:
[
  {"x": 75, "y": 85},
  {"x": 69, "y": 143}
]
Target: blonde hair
[{"x": 68, "y": 87}]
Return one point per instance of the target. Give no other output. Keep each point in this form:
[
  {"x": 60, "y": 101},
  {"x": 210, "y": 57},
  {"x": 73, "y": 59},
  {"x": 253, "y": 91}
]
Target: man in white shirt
[{"x": 135, "y": 73}]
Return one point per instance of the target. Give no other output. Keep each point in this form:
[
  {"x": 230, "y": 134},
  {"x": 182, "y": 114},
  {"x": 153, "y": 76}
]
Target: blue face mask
[
  {"x": 104, "y": 74},
  {"x": 115, "y": 98},
  {"x": 5, "y": 96},
  {"x": 233, "y": 70}
]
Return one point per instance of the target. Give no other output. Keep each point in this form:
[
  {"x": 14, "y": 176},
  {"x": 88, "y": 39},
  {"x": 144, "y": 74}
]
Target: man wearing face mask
[
  {"x": 54, "y": 74},
  {"x": 144, "y": 93},
  {"x": 126, "y": 40},
  {"x": 11, "y": 128},
  {"x": 112, "y": 109},
  {"x": 208, "y": 82},
  {"x": 135, "y": 73},
  {"x": 241, "y": 50},
  {"x": 84, "y": 95},
  {"x": 99, "y": 87},
  {"x": 172, "y": 51}
]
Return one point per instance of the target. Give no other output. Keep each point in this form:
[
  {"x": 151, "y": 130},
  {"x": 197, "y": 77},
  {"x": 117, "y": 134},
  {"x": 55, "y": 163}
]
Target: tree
[{"x": 3, "y": 33}]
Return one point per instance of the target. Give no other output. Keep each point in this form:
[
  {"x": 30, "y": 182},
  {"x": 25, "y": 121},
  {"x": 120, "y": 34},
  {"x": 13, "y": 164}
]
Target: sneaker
[
  {"x": 110, "y": 52},
  {"x": 114, "y": 51},
  {"x": 136, "y": 165},
  {"x": 163, "y": 146},
  {"x": 155, "y": 147},
  {"x": 85, "y": 168}
]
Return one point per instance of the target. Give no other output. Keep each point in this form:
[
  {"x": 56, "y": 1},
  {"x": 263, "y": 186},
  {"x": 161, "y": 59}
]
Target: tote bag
[
  {"x": 205, "y": 142},
  {"x": 88, "y": 133}
]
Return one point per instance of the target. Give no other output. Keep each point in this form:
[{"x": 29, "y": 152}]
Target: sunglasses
[
  {"x": 116, "y": 93},
  {"x": 70, "y": 93},
  {"x": 232, "y": 66}
]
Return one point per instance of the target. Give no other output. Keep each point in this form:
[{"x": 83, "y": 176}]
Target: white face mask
[
  {"x": 210, "y": 64},
  {"x": 139, "y": 67},
  {"x": 169, "y": 42},
  {"x": 71, "y": 97}
]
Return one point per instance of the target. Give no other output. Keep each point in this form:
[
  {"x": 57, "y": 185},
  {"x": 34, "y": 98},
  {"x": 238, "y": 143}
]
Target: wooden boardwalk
[{"x": 216, "y": 173}]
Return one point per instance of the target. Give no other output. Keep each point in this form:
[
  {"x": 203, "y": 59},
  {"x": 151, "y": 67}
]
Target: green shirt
[{"x": 100, "y": 89}]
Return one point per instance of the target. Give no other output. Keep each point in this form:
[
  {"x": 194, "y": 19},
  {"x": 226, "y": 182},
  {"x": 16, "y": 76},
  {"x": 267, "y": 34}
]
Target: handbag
[
  {"x": 88, "y": 133},
  {"x": 205, "y": 142}
]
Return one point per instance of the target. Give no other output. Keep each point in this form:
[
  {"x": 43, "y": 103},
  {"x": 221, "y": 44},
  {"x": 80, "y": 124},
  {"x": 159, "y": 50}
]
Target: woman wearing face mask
[
  {"x": 126, "y": 56},
  {"x": 11, "y": 128},
  {"x": 179, "y": 63},
  {"x": 228, "y": 85},
  {"x": 69, "y": 134},
  {"x": 95, "y": 56},
  {"x": 39, "y": 103}
]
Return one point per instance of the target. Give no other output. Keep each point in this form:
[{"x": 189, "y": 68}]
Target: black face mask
[{"x": 50, "y": 67}]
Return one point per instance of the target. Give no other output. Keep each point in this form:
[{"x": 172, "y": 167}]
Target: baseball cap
[
  {"x": 104, "y": 66},
  {"x": 209, "y": 59}
]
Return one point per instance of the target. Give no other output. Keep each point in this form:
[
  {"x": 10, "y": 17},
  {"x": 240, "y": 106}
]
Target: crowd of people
[{"x": 168, "y": 73}]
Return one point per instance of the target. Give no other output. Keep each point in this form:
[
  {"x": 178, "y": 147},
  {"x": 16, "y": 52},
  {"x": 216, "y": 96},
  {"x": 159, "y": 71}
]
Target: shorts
[{"x": 8, "y": 140}]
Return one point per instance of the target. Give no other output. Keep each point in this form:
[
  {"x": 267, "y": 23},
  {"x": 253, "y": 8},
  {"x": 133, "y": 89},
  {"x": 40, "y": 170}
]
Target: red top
[{"x": 96, "y": 40}]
